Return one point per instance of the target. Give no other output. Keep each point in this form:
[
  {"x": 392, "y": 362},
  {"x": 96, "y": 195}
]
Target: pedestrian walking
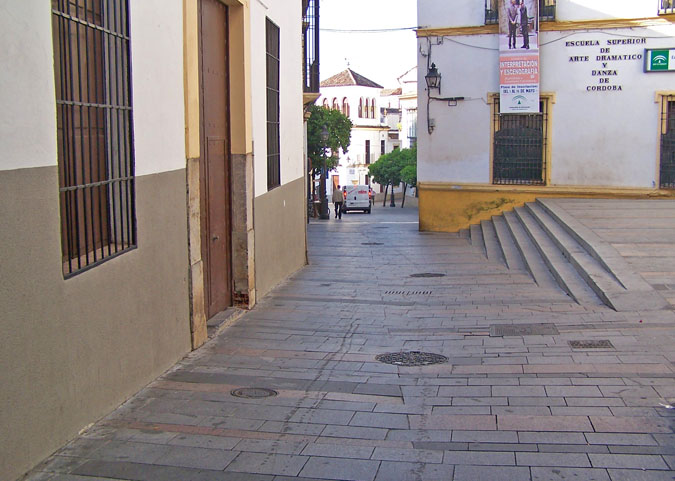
[{"x": 338, "y": 200}]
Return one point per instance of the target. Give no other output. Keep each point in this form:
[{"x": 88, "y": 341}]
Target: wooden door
[{"x": 215, "y": 157}]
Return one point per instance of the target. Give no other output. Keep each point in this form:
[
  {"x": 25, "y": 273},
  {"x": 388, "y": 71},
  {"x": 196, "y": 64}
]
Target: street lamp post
[{"x": 324, "y": 176}]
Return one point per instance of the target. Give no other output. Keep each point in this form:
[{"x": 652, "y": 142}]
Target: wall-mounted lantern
[{"x": 433, "y": 78}]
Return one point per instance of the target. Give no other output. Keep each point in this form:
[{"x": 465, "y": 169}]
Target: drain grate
[
  {"x": 427, "y": 274},
  {"x": 506, "y": 330},
  {"x": 372, "y": 244},
  {"x": 253, "y": 392},
  {"x": 411, "y": 358},
  {"x": 408, "y": 293},
  {"x": 591, "y": 344}
]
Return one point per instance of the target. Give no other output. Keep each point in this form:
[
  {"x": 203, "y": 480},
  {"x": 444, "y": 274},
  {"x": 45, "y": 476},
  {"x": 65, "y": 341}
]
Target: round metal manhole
[
  {"x": 411, "y": 358},
  {"x": 427, "y": 274},
  {"x": 372, "y": 244},
  {"x": 253, "y": 392}
]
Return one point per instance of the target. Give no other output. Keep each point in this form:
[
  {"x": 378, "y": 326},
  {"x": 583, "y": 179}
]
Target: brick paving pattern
[{"x": 521, "y": 407}]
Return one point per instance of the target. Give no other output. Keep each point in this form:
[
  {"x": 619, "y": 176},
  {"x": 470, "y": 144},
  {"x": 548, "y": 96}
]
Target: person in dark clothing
[
  {"x": 338, "y": 200},
  {"x": 512, "y": 13},
  {"x": 524, "y": 26}
]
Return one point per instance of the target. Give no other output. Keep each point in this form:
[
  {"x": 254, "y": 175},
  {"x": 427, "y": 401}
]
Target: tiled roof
[
  {"x": 389, "y": 92},
  {"x": 349, "y": 77}
]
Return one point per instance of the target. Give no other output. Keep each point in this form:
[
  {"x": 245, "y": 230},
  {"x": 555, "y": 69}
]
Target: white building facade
[
  {"x": 603, "y": 118},
  {"x": 359, "y": 99}
]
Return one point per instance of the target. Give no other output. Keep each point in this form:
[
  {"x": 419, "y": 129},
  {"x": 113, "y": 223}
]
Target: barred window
[
  {"x": 273, "y": 135},
  {"x": 94, "y": 131}
]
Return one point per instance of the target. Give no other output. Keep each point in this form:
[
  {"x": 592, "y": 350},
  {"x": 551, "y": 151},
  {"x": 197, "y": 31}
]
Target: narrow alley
[{"x": 484, "y": 381}]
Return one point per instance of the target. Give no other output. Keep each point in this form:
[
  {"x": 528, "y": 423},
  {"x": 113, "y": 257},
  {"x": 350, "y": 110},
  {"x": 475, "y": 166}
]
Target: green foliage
[
  {"x": 409, "y": 175},
  {"x": 395, "y": 167},
  {"x": 339, "y": 136}
]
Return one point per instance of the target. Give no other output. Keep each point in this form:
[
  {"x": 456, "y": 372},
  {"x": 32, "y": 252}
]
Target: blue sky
[{"x": 382, "y": 57}]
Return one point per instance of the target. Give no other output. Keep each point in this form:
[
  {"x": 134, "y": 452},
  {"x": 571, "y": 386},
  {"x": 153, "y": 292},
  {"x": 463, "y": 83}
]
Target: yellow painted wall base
[{"x": 449, "y": 208}]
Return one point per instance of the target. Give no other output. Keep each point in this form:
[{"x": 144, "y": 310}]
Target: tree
[
  {"x": 387, "y": 170},
  {"x": 323, "y": 154},
  {"x": 409, "y": 170},
  {"x": 339, "y": 136}
]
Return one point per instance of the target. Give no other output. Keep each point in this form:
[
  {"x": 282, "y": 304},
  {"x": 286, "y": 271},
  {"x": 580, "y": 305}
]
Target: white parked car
[{"x": 357, "y": 199}]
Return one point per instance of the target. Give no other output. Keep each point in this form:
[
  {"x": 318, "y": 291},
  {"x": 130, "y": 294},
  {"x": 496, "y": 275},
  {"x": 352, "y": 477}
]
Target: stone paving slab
[{"x": 526, "y": 407}]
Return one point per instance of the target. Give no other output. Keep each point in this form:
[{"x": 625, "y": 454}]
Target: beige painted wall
[
  {"x": 279, "y": 235},
  {"x": 75, "y": 349}
]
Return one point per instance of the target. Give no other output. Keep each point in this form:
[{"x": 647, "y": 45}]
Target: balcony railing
[
  {"x": 310, "y": 35},
  {"x": 666, "y": 7},
  {"x": 546, "y": 11}
]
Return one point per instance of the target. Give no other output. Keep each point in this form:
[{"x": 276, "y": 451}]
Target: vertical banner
[{"x": 518, "y": 56}]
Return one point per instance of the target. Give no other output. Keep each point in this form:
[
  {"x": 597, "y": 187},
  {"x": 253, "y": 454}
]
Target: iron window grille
[
  {"x": 546, "y": 11},
  {"x": 666, "y": 7},
  {"x": 273, "y": 133},
  {"x": 411, "y": 115},
  {"x": 310, "y": 35},
  {"x": 94, "y": 116},
  {"x": 667, "y": 167},
  {"x": 519, "y": 146}
]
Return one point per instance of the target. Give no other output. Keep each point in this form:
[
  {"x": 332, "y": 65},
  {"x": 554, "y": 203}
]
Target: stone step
[
  {"x": 514, "y": 261},
  {"x": 465, "y": 234},
  {"x": 598, "y": 262},
  {"x": 560, "y": 267},
  {"x": 492, "y": 247},
  {"x": 533, "y": 260},
  {"x": 477, "y": 242}
]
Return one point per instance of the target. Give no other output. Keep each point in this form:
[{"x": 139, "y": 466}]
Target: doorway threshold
[{"x": 222, "y": 320}]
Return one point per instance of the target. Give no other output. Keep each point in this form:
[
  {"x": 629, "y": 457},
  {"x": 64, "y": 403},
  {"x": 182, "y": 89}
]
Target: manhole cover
[
  {"x": 427, "y": 274},
  {"x": 372, "y": 244},
  {"x": 591, "y": 344},
  {"x": 505, "y": 330},
  {"x": 411, "y": 358},
  {"x": 253, "y": 392},
  {"x": 408, "y": 293}
]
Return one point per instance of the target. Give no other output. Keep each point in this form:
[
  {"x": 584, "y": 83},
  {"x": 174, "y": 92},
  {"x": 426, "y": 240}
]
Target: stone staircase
[{"x": 542, "y": 239}]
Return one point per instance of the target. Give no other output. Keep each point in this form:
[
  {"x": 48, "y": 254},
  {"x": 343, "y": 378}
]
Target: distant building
[
  {"x": 605, "y": 123},
  {"x": 358, "y": 98}
]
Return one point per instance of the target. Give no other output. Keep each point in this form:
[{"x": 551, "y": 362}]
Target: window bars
[
  {"x": 310, "y": 35},
  {"x": 666, "y": 7},
  {"x": 519, "y": 146},
  {"x": 273, "y": 117},
  {"x": 94, "y": 131},
  {"x": 667, "y": 167},
  {"x": 546, "y": 11}
]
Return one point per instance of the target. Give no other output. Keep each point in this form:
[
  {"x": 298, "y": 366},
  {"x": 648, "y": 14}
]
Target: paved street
[{"x": 514, "y": 400}]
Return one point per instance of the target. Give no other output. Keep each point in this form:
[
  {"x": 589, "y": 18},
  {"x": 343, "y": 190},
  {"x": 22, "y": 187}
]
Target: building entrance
[{"x": 667, "y": 171}]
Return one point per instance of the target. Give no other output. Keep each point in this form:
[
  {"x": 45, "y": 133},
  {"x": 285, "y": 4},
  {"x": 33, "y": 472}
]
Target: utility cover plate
[
  {"x": 507, "y": 330},
  {"x": 427, "y": 274},
  {"x": 253, "y": 392},
  {"x": 591, "y": 344},
  {"x": 411, "y": 358}
]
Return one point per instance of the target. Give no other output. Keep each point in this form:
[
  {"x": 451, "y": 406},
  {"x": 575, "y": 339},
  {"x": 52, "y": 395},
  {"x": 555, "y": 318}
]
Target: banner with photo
[{"x": 518, "y": 56}]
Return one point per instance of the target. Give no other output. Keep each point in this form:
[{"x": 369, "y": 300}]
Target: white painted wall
[
  {"x": 354, "y": 93},
  {"x": 286, "y": 15},
  {"x": 28, "y": 122},
  {"x": 157, "y": 75},
  {"x": 598, "y": 138},
  {"x": 463, "y": 13}
]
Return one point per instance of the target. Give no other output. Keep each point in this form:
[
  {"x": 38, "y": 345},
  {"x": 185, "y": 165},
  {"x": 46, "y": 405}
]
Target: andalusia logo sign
[{"x": 658, "y": 59}]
